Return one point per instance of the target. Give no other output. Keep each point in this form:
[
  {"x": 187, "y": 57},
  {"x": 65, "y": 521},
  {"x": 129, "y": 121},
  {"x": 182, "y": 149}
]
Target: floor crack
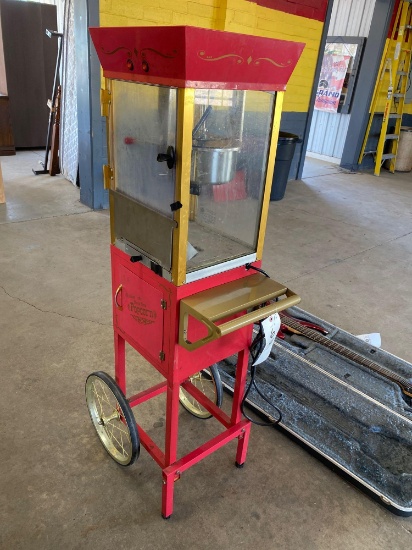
[
  {"x": 47, "y": 217},
  {"x": 409, "y": 531},
  {"x": 53, "y": 312},
  {"x": 319, "y": 175}
]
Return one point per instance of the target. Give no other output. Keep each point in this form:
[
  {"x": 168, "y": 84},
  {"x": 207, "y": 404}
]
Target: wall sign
[
  {"x": 338, "y": 74},
  {"x": 332, "y": 77}
]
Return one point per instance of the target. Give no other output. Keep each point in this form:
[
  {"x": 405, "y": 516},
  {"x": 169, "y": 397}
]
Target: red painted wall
[{"x": 312, "y": 9}]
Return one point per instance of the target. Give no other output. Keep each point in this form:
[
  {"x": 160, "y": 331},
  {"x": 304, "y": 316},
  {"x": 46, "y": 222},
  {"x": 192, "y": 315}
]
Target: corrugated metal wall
[
  {"x": 351, "y": 17},
  {"x": 328, "y": 131}
]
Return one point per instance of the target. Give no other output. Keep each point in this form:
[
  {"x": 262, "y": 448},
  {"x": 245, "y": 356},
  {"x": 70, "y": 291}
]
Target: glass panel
[
  {"x": 230, "y": 146},
  {"x": 144, "y": 125}
]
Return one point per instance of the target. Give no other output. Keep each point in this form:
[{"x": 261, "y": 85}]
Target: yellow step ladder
[{"x": 390, "y": 91}]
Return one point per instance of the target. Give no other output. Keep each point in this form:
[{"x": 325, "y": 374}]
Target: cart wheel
[
  {"x": 208, "y": 381},
  {"x": 113, "y": 418}
]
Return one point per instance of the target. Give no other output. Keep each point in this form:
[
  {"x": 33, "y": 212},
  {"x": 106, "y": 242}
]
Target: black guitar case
[{"x": 346, "y": 414}]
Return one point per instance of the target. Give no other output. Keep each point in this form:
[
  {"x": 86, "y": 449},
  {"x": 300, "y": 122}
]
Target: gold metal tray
[{"x": 215, "y": 304}]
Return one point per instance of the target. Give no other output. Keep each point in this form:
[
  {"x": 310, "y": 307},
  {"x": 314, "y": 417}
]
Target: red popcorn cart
[{"x": 193, "y": 117}]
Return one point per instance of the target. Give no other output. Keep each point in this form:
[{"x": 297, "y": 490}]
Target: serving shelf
[{"x": 256, "y": 293}]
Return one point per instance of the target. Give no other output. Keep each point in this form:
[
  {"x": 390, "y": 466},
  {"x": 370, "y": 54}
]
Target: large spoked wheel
[
  {"x": 112, "y": 418},
  {"x": 208, "y": 381}
]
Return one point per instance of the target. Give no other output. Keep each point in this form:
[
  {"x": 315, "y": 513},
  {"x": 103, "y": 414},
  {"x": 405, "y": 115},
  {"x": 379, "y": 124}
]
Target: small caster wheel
[
  {"x": 112, "y": 418},
  {"x": 166, "y": 517},
  {"x": 208, "y": 381},
  {"x": 239, "y": 465}
]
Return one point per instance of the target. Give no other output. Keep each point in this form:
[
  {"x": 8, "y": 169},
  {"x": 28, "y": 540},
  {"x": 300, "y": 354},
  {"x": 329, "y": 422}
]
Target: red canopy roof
[{"x": 191, "y": 57}]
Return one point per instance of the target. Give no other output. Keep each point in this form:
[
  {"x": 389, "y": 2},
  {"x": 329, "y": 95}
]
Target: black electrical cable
[
  {"x": 255, "y": 351},
  {"x": 252, "y": 382},
  {"x": 250, "y": 266}
]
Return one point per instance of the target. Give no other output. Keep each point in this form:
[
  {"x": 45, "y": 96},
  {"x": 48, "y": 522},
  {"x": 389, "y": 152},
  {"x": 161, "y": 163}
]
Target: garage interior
[
  {"x": 342, "y": 239},
  {"x": 345, "y": 243}
]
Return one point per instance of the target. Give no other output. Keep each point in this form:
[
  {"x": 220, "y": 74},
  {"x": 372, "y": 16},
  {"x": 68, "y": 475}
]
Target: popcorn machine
[{"x": 192, "y": 123}]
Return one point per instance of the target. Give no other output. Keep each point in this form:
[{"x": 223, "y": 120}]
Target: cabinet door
[
  {"x": 30, "y": 62},
  {"x": 144, "y": 126},
  {"x": 138, "y": 313}
]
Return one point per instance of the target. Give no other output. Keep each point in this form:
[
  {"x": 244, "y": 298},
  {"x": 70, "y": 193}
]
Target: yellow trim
[
  {"x": 269, "y": 174},
  {"x": 111, "y": 207},
  {"x": 106, "y": 100},
  {"x": 106, "y": 103},
  {"x": 185, "y": 106},
  {"x": 107, "y": 176}
]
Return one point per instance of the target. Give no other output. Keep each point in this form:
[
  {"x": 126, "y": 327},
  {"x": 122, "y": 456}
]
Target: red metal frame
[
  {"x": 191, "y": 57},
  {"x": 177, "y": 366}
]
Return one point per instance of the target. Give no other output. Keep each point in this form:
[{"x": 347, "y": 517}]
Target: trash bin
[
  {"x": 284, "y": 156},
  {"x": 404, "y": 154}
]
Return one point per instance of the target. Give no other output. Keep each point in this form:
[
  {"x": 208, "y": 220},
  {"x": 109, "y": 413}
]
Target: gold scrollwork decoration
[
  {"x": 281, "y": 65},
  {"x": 117, "y": 50},
  {"x": 239, "y": 59},
  {"x": 202, "y": 55},
  {"x": 165, "y": 55},
  {"x": 171, "y": 55}
]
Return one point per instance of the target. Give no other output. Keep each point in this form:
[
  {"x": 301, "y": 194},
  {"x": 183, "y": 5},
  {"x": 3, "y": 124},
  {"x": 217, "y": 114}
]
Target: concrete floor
[{"x": 342, "y": 241}]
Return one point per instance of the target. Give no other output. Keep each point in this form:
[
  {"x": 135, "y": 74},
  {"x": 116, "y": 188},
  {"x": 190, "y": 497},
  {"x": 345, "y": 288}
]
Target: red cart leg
[
  {"x": 242, "y": 447},
  {"x": 120, "y": 361},
  {"x": 239, "y": 391},
  {"x": 167, "y": 495},
  {"x": 240, "y": 383},
  {"x": 172, "y": 423},
  {"x": 172, "y": 428}
]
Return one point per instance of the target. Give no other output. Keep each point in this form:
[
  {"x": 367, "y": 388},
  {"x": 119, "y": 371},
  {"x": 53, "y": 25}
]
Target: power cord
[
  {"x": 250, "y": 266},
  {"x": 255, "y": 350}
]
